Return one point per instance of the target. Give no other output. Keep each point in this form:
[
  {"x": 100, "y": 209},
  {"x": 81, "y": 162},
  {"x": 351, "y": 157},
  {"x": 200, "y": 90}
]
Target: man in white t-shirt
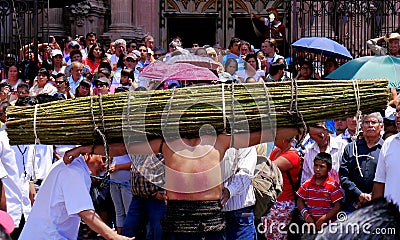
[
  {"x": 387, "y": 175},
  {"x": 64, "y": 199}
]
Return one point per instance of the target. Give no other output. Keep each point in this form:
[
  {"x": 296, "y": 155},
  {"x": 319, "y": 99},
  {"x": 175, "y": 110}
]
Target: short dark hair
[
  {"x": 233, "y": 40},
  {"x": 325, "y": 157},
  {"x": 44, "y": 71},
  {"x": 91, "y": 34},
  {"x": 24, "y": 86},
  {"x": 275, "y": 67},
  {"x": 75, "y": 51},
  {"x": 127, "y": 72}
]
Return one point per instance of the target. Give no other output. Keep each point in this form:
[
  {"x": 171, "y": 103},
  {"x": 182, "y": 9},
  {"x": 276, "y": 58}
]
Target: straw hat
[{"x": 392, "y": 36}]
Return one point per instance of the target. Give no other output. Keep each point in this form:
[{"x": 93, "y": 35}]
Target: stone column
[
  {"x": 121, "y": 20},
  {"x": 55, "y": 26}
]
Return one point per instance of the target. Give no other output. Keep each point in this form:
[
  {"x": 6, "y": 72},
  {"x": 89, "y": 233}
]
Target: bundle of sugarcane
[{"x": 188, "y": 112}]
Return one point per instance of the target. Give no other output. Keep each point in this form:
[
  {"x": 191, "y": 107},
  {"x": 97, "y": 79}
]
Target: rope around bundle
[
  {"x": 296, "y": 114},
  {"x": 96, "y": 130},
  {"x": 358, "y": 119}
]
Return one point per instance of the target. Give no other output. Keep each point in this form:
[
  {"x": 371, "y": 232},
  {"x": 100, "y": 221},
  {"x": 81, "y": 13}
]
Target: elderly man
[
  {"x": 324, "y": 142},
  {"x": 76, "y": 76},
  {"x": 357, "y": 174},
  {"x": 120, "y": 47}
]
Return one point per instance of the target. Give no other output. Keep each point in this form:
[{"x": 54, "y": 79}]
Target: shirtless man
[{"x": 192, "y": 177}]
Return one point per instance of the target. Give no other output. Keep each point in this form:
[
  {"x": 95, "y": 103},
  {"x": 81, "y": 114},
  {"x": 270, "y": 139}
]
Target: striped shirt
[
  {"x": 319, "y": 198},
  {"x": 238, "y": 170}
]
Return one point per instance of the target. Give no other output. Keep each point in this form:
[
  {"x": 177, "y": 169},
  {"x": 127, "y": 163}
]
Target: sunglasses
[
  {"x": 102, "y": 85},
  {"x": 157, "y": 55},
  {"x": 142, "y": 50},
  {"x": 131, "y": 60},
  {"x": 133, "y": 46}
]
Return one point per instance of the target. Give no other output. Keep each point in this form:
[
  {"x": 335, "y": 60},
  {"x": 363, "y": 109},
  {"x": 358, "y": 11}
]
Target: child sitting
[{"x": 319, "y": 196}]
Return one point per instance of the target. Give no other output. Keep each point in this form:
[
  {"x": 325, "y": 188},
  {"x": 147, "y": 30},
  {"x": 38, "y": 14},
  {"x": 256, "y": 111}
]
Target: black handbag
[{"x": 295, "y": 226}]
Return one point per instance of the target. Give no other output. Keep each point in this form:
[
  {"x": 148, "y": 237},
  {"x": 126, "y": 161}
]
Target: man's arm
[
  {"x": 302, "y": 208},
  {"x": 250, "y": 139},
  {"x": 375, "y": 48},
  {"x": 378, "y": 190},
  {"x": 115, "y": 149},
  {"x": 258, "y": 17},
  {"x": 94, "y": 221},
  {"x": 331, "y": 214},
  {"x": 3, "y": 205}
]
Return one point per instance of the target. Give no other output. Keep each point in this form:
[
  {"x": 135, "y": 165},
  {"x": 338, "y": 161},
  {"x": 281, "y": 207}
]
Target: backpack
[{"x": 268, "y": 185}]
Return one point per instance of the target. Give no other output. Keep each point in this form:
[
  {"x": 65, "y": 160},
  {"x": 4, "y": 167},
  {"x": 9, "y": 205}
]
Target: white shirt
[
  {"x": 61, "y": 149},
  {"x": 63, "y": 194},
  {"x": 16, "y": 184},
  {"x": 113, "y": 61},
  {"x": 239, "y": 166},
  {"x": 388, "y": 169},
  {"x": 121, "y": 175},
  {"x": 43, "y": 161},
  {"x": 335, "y": 148}
]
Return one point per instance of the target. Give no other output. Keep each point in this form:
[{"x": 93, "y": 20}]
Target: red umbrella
[{"x": 177, "y": 71}]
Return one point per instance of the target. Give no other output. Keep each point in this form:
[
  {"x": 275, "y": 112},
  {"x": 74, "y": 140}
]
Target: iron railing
[{"x": 349, "y": 22}]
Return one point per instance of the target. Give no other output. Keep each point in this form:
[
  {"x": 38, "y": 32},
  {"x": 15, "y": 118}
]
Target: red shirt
[
  {"x": 319, "y": 199},
  {"x": 293, "y": 157}
]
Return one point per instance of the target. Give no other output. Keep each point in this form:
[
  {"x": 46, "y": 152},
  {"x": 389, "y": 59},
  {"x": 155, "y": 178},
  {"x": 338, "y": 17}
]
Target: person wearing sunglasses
[
  {"x": 103, "y": 86},
  {"x": 62, "y": 85}
]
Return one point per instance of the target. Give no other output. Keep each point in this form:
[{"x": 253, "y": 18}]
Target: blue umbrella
[
  {"x": 322, "y": 45},
  {"x": 370, "y": 67}
]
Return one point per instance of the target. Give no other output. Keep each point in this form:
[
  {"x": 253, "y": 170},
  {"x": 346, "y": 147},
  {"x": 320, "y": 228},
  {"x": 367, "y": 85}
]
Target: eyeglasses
[
  {"x": 58, "y": 82},
  {"x": 131, "y": 60},
  {"x": 102, "y": 85},
  {"x": 371, "y": 122}
]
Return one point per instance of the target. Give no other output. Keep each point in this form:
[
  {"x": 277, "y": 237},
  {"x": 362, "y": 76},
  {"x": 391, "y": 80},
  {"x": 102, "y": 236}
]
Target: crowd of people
[{"x": 344, "y": 163}]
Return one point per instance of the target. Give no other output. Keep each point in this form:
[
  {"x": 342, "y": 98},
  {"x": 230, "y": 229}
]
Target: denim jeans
[
  {"x": 122, "y": 197},
  {"x": 196, "y": 236},
  {"x": 142, "y": 209},
  {"x": 240, "y": 224}
]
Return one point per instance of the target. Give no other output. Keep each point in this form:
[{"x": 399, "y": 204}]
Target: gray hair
[
  {"x": 376, "y": 115},
  {"x": 120, "y": 41}
]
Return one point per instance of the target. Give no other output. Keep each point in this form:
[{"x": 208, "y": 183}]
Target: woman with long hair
[
  {"x": 286, "y": 157},
  {"x": 95, "y": 56},
  {"x": 12, "y": 79}
]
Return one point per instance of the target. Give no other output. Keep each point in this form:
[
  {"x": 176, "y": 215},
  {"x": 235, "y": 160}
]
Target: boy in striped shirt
[{"x": 319, "y": 196}]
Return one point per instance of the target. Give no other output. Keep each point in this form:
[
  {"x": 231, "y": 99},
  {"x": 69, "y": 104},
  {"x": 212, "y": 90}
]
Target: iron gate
[
  {"x": 19, "y": 26},
  {"x": 349, "y": 22}
]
